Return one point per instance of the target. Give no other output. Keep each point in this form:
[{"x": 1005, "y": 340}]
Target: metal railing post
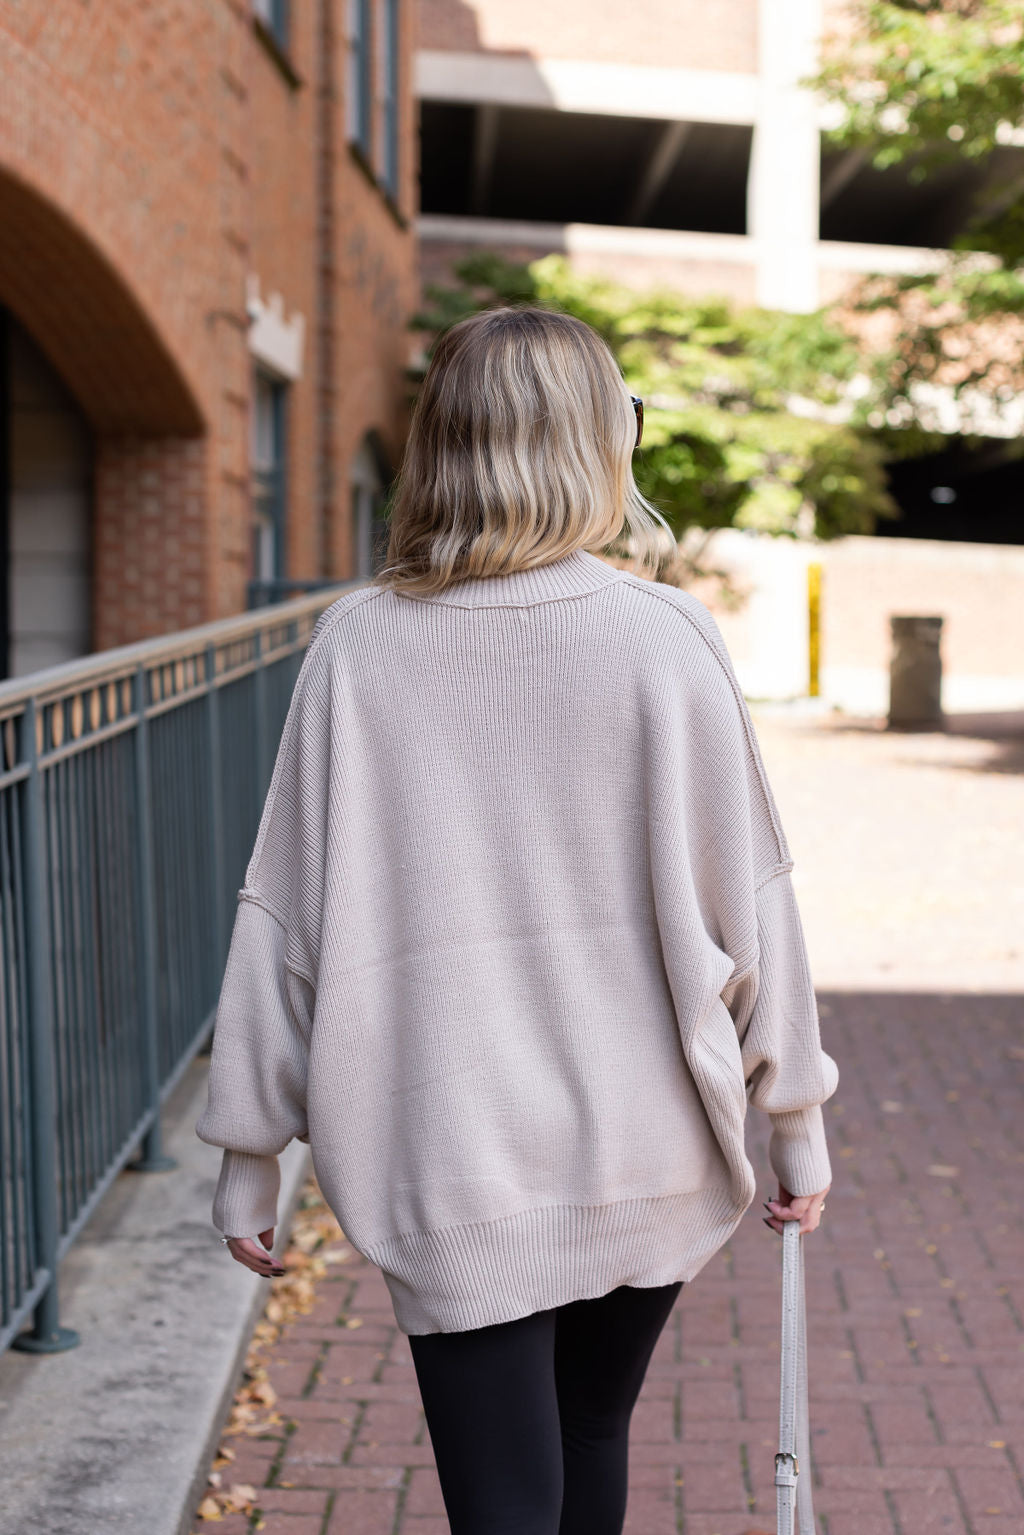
[
  {"x": 263, "y": 768},
  {"x": 47, "y": 1335},
  {"x": 153, "y": 1158},
  {"x": 216, "y": 807}
]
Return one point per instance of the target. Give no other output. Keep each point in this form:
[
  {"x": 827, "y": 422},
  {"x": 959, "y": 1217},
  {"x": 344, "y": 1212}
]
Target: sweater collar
[{"x": 572, "y": 575}]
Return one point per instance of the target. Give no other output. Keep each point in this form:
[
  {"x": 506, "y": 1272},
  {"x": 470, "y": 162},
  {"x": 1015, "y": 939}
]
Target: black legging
[{"x": 529, "y": 1420}]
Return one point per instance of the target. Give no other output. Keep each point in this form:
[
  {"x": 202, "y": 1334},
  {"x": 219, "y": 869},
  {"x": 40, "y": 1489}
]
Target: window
[
  {"x": 387, "y": 96},
  {"x": 267, "y": 467},
  {"x": 369, "y": 525},
  {"x": 274, "y": 16},
  {"x": 360, "y": 77}
]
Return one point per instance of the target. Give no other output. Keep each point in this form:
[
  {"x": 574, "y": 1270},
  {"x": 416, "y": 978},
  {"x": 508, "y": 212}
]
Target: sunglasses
[{"x": 638, "y": 407}]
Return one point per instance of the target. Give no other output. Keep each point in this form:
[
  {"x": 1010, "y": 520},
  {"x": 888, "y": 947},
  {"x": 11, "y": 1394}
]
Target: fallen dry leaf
[
  {"x": 305, "y": 1240},
  {"x": 242, "y": 1496}
]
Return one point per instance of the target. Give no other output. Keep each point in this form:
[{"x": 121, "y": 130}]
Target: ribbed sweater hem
[{"x": 476, "y": 1275}]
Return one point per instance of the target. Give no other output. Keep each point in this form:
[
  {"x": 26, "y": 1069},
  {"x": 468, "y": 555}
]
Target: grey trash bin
[{"x": 915, "y": 673}]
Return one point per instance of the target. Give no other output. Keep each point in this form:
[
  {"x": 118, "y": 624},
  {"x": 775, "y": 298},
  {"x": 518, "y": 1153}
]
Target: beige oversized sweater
[{"x": 517, "y": 944}]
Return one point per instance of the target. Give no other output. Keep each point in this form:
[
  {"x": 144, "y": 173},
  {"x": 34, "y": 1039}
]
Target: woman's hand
[
  {"x": 805, "y": 1208},
  {"x": 244, "y": 1250}
]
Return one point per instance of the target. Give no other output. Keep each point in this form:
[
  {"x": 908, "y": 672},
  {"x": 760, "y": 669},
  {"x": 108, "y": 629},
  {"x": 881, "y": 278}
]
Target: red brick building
[{"x": 206, "y": 271}]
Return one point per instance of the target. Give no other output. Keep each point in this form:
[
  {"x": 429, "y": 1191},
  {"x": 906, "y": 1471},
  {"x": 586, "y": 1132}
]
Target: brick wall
[
  {"x": 151, "y": 157},
  {"x": 149, "y": 537}
]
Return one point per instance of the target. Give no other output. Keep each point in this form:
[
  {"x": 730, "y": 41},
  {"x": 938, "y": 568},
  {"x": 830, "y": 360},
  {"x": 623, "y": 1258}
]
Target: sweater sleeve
[
  {"x": 256, "y": 1101},
  {"x": 788, "y": 1074},
  {"x": 749, "y": 901}
]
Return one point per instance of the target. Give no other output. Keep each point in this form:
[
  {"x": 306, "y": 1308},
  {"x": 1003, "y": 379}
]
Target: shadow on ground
[{"x": 1003, "y": 731}]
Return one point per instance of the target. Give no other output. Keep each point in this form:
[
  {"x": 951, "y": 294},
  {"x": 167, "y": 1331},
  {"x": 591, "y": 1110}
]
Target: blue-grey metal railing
[
  {"x": 259, "y": 594},
  {"x": 131, "y": 785}
]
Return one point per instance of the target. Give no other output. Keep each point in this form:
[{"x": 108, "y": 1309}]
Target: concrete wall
[
  {"x": 687, "y": 32},
  {"x": 978, "y": 589},
  {"x": 738, "y": 61},
  {"x": 685, "y": 262}
]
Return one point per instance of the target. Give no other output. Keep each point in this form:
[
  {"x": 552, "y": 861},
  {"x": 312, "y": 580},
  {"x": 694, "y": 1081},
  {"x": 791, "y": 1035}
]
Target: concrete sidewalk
[
  {"x": 909, "y": 855},
  {"x": 113, "y": 1437}
]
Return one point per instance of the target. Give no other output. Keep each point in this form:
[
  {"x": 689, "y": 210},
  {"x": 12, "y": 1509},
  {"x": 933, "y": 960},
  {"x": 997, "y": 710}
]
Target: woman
[{"x": 517, "y": 941}]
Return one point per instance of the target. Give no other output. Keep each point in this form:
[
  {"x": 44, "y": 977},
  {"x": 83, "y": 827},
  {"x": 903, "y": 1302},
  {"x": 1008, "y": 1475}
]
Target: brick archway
[{"x": 95, "y": 333}]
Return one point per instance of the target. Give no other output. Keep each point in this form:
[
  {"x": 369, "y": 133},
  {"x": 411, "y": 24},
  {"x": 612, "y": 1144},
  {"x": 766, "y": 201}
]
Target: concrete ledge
[{"x": 116, "y": 1434}]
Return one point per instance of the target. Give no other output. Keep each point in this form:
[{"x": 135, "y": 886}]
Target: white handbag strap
[{"x": 795, "y": 1508}]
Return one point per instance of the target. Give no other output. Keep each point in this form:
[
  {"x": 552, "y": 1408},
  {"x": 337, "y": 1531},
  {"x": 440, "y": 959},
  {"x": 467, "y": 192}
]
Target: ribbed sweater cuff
[
  {"x": 245, "y": 1202},
  {"x": 798, "y": 1151}
]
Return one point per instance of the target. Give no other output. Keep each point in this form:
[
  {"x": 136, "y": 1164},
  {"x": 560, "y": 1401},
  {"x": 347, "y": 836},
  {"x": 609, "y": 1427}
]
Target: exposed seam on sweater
[
  {"x": 257, "y": 898},
  {"x": 458, "y": 941},
  {"x": 773, "y": 873},
  {"x": 639, "y": 584},
  {"x": 328, "y": 620},
  {"x": 535, "y": 602}
]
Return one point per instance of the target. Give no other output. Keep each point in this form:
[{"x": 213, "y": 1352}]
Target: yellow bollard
[{"x": 814, "y": 629}]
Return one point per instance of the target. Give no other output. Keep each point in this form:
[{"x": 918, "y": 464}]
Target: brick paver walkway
[{"x": 916, "y": 1281}]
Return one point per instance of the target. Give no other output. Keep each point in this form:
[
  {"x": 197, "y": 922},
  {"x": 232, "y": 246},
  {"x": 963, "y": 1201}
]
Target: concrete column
[{"x": 782, "y": 189}]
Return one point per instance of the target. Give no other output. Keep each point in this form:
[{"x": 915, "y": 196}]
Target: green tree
[
  {"x": 927, "y": 83},
  {"x": 737, "y": 401}
]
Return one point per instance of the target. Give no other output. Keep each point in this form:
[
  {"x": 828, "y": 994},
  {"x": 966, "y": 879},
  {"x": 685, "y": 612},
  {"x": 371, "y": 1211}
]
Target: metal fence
[
  {"x": 259, "y": 594},
  {"x": 131, "y": 786}
]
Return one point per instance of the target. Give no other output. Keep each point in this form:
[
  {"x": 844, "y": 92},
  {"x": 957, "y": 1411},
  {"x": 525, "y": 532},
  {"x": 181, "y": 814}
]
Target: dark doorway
[
  {"x": 972, "y": 493},
  {"x": 46, "y": 471}
]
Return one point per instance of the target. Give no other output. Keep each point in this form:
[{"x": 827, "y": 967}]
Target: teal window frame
[
  {"x": 360, "y": 76},
  {"x": 274, "y": 16},
  {"x": 391, "y": 103},
  {"x": 269, "y": 477}
]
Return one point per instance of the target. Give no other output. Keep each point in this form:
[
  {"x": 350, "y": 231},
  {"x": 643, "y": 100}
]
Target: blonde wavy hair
[{"x": 520, "y": 451}]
